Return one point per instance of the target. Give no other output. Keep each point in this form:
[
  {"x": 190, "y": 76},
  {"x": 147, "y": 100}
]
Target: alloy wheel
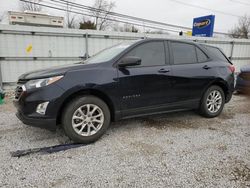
[
  {"x": 87, "y": 120},
  {"x": 214, "y": 101}
]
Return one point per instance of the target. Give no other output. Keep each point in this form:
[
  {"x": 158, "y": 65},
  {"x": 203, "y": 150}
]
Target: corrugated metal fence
[{"x": 25, "y": 48}]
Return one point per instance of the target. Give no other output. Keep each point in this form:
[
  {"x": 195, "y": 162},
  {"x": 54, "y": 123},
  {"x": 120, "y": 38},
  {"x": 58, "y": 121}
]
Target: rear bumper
[
  {"x": 242, "y": 85},
  {"x": 49, "y": 124}
]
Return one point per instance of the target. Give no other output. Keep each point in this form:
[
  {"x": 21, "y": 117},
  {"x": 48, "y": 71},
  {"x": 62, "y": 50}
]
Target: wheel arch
[
  {"x": 223, "y": 85},
  {"x": 94, "y": 92}
]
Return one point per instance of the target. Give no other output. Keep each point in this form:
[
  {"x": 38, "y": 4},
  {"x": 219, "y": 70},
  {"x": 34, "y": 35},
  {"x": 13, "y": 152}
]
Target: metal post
[
  {"x": 86, "y": 46},
  {"x": 1, "y": 80},
  {"x": 232, "y": 50}
]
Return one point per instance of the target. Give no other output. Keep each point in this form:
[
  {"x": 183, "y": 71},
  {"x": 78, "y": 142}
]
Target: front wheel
[
  {"x": 212, "y": 102},
  {"x": 86, "y": 119}
]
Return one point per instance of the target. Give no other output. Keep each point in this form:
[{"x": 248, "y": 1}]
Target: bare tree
[
  {"x": 126, "y": 28},
  {"x": 2, "y": 15},
  {"x": 70, "y": 20},
  {"x": 158, "y": 31},
  {"x": 31, "y": 5},
  {"x": 116, "y": 27},
  {"x": 242, "y": 30},
  {"x": 102, "y": 13}
]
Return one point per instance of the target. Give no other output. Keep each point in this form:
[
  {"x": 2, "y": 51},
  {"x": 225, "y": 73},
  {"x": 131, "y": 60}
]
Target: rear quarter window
[
  {"x": 217, "y": 53},
  {"x": 201, "y": 56}
]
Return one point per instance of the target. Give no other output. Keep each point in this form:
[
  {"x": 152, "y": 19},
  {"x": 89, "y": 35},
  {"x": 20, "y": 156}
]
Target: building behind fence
[{"x": 24, "y": 48}]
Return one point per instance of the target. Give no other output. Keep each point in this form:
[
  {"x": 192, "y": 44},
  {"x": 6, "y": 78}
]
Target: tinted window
[
  {"x": 201, "y": 56},
  {"x": 216, "y": 52},
  {"x": 109, "y": 53},
  {"x": 151, "y": 53},
  {"x": 183, "y": 53}
]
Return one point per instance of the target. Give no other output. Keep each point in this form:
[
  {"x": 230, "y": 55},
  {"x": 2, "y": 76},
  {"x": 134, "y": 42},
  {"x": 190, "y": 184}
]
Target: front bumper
[
  {"x": 49, "y": 124},
  {"x": 26, "y": 105}
]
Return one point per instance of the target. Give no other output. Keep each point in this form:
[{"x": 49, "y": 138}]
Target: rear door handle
[
  {"x": 206, "y": 67},
  {"x": 163, "y": 70}
]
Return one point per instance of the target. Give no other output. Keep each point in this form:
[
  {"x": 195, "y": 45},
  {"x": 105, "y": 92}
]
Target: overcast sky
[{"x": 169, "y": 11}]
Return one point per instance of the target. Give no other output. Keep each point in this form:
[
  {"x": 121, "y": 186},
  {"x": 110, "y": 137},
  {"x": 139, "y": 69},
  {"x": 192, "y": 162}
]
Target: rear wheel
[
  {"x": 212, "y": 102},
  {"x": 86, "y": 119}
]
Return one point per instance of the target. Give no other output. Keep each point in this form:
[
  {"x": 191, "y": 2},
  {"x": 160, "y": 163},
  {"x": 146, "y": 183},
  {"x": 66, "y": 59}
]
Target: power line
[
  {"x": 124, "y": 19},
  {"x": 121, "y": 20},
  {"x": 127, "y": 16},
  {"x": 111, "y": 19},
  {"x": 240, "y": 2},
  {"x": 116, "y": 17},
  {"x": 200, "y": 7},
  {"x": 120, "y": 15}
]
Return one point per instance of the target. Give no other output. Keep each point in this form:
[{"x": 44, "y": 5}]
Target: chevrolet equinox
[{"x": 131, "y": 79}]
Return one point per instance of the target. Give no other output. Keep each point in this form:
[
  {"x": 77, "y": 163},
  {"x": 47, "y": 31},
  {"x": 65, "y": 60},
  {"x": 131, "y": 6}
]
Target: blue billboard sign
[{"x": 203, "y": 26}]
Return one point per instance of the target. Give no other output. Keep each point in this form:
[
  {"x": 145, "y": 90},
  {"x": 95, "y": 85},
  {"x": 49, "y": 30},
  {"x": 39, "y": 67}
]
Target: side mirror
[{"x": 129, "y": 61}]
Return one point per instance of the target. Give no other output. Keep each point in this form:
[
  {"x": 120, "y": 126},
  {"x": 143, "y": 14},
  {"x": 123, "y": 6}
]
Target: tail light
[{"x": 232, "y": 68}]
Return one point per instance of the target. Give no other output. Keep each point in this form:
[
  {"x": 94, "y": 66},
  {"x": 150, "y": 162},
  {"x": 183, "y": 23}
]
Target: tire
[
  {"x": 81, "y": 123},
  {"x": 207, "y": 101}
]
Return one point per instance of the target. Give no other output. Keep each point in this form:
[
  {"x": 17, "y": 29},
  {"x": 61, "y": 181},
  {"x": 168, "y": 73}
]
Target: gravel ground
[{"x": 172, "y": 150}]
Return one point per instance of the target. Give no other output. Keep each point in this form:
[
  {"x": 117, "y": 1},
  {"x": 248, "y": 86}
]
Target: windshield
[{"x": 109, "y": 53}]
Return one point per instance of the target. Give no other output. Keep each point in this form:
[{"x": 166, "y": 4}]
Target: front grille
[
  {"x": 19, "y": 89},
  {"x": 245, "y": 76},
  {"x": 18, "y": 92}
]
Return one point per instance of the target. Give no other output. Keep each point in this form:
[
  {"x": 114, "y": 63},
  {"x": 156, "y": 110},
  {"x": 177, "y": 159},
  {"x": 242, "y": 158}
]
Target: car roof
[
  {"x": 177, "y": 40},
  {"x": 166, "y": 39}
]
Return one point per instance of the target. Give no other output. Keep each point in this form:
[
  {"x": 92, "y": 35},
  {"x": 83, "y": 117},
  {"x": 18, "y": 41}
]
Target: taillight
[{"x": 232, "y": 68}]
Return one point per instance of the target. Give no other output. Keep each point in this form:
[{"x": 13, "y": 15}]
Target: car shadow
[{"x": 182, "y": 119}]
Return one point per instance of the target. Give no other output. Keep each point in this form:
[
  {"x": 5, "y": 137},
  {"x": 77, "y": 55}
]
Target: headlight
[{"x": 41, "y": 82}]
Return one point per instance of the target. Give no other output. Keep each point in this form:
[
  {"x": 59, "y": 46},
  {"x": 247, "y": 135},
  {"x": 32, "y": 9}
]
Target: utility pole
[
  {"x": 67, "y": 13},
  {"x": 1, "y": 81}
]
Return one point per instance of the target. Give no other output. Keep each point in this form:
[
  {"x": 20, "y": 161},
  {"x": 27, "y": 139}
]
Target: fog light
[{"x": 41, "y": 108}]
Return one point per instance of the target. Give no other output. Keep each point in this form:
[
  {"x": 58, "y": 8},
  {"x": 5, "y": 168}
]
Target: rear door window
[{"x": 183, "y": 53}]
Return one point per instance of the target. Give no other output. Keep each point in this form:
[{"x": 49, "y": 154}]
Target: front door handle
[
  {"x": 206, "y": 67},
  {"x": 163, "y": 70}
]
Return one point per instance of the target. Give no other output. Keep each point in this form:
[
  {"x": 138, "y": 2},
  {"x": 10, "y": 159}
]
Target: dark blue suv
[{"x": 130, "y": 79}]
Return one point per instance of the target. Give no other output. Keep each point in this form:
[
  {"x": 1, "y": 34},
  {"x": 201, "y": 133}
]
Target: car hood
[
  {"x": 245, "y": 68},
  {"x": 53, "y": 71}
]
